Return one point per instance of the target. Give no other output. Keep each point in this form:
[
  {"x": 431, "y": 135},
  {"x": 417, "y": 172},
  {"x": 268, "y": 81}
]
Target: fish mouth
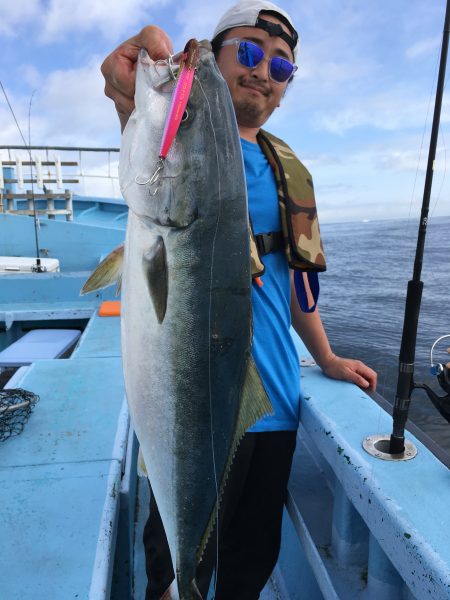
[{"x": 168, "y": 222}]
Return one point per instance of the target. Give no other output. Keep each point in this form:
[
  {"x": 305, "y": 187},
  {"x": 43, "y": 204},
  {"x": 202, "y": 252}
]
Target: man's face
[{"x": 255, "y": 96}]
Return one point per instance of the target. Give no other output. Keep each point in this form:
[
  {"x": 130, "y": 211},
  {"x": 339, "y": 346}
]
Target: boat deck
[
  {"x": 60, "y": 479},
  {"x": 355, "y": 526}
]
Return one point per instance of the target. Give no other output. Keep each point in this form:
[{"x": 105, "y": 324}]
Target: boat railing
[
  {"x": 358, "y": 526},
  {"x": 32, "y": 178}
]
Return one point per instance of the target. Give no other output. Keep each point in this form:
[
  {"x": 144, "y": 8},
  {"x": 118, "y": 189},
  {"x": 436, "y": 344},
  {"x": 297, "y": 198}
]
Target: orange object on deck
[{"x": 109, "y": 308}]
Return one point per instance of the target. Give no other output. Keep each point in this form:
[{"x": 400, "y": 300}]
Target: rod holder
[{"x": 378, "y": 446}]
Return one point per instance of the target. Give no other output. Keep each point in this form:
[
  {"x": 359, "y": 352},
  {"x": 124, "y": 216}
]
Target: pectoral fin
[
  {"x": 154, "y": 263},
  {"x": 109, "y": 271},
  {"x": 254, "y": 405}
]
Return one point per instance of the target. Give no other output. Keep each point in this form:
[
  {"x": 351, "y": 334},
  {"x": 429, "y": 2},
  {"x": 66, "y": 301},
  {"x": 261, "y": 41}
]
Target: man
[{"x": 255, "y": 44}]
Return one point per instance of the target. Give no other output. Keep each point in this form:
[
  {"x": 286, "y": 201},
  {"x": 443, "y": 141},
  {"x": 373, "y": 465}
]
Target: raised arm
[
  {"x": 119, "y": 68},
  {"x": 310, "y": 328}
]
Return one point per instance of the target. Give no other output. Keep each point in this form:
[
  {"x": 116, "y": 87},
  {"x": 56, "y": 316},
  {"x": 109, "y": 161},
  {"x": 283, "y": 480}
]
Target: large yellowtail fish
[{"x": 191, "y": 383}]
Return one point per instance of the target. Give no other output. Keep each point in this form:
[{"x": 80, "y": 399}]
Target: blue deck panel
[
  {"x": 61, "y": 478},
  {"x": 72, "y": 421},
  {"x": 47, "y": 296},
  {"x": 60, "y": 481},
  {"x": 100, "y": 339},
  {"x": 77, "y": 246},
  {"x": 50, "y": 528},
  {"x": 47, "y": 291},
  {"x": 38, "y": 344}
]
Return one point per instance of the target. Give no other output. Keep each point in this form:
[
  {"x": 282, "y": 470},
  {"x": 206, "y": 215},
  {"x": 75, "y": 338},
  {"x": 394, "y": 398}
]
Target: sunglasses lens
[
  {"x": 249, "y": 55},
  {"x": 280, "y": 69}
]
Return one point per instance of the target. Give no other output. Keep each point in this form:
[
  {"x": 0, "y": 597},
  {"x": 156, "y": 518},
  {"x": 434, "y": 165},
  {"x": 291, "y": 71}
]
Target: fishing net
[{"x": 15, "y": 409}]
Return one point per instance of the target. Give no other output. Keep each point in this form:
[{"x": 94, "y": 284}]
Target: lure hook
[
  {"x": 153, "y": 180},
  {"x": 171, "y": 64}
]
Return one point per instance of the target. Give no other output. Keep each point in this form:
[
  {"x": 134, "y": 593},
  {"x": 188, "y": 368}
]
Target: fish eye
[{"x": 185, "y": 116}]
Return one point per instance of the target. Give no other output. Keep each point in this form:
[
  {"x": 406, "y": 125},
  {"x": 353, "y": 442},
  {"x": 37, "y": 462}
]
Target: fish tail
[
  {"x": 171, "y": 593},
  {"x": 182, "y": 591},
  {"x": 187, "y": 589}
]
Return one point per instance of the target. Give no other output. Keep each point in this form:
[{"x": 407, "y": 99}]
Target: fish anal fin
[
  {"x": 106, "y": 273},
  {"x": 141, "y": 466},
  {"x": 154, "y": 263},
  {"x": 254, "y": 405}
]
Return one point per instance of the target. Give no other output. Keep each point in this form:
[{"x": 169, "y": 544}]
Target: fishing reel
[{"x": 442, "y": 372}]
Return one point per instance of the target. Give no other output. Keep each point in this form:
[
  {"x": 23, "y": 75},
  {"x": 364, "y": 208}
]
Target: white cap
[{"x": 245, "y": 14}]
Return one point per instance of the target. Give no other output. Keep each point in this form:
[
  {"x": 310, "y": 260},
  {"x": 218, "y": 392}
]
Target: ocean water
[{"x": 362, "y": 302}]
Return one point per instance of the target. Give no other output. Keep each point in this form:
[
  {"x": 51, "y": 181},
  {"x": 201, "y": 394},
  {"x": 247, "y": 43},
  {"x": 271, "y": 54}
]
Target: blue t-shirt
[{"x": 273, "y": 349}]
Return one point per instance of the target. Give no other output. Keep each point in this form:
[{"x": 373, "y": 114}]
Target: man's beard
[{"x": 248, "y": 113}]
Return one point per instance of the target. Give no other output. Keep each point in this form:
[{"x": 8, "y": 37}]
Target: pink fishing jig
[{"x": 180, "y": 96}]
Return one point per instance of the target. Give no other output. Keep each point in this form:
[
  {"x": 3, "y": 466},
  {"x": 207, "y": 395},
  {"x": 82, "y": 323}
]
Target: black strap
[
  {"x": 269, "y": 242},
  {"x": 275, "y": 29}
]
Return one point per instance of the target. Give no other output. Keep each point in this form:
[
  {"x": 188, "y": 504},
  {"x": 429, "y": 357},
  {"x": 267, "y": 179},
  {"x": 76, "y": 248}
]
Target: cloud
[
  {"x": 9, "y": 129},
  {"x": 333, "y": 188},
  {"x": 401, "y": 107},
  {"x": 74, "y": 117},
  {"x": 61, "y": 114},
  {"x": 407, "y": 159},
  {"x": 358, "y": 77},
  {"x": 101, "y": 177},
  {"x": 55, "y": 20},
  {"x": 422, "y": 48},
  {"x": 198, "y": 19},
  {"x": 14, "y": 15},
  {"x": 16, "y": 109},
  {"x": 321, "y": 160},
  {"x": 111, "y": 19},
  {"x": 30, "y": 75}
]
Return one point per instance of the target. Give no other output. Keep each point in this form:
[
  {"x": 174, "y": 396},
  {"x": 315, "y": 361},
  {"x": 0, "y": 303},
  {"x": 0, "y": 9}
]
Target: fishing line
[
  {"x": 421, "y": 148},
  {"x": 438, "y": 196},
  {"x": 442, "y": 137},
  {"x": 38, "y": 268},
  {"x": 209, "y": 329},
  {"x": 444, "y": 176}
]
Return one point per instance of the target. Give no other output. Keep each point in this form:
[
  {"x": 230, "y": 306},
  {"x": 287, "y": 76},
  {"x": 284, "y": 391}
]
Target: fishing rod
[
  {"x": 38, "y": 267},
  {"x": 405, "y": 382}
]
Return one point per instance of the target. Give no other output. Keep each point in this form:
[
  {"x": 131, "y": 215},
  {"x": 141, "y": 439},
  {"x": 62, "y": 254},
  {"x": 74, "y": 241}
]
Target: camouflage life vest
[{"x": 300, "y": 225}]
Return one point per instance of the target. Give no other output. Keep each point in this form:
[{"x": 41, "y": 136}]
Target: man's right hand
[{"x": 119, "y": 68}]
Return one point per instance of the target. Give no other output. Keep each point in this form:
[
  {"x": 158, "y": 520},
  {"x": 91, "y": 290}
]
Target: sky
[{"x": 358, "y": 113}]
